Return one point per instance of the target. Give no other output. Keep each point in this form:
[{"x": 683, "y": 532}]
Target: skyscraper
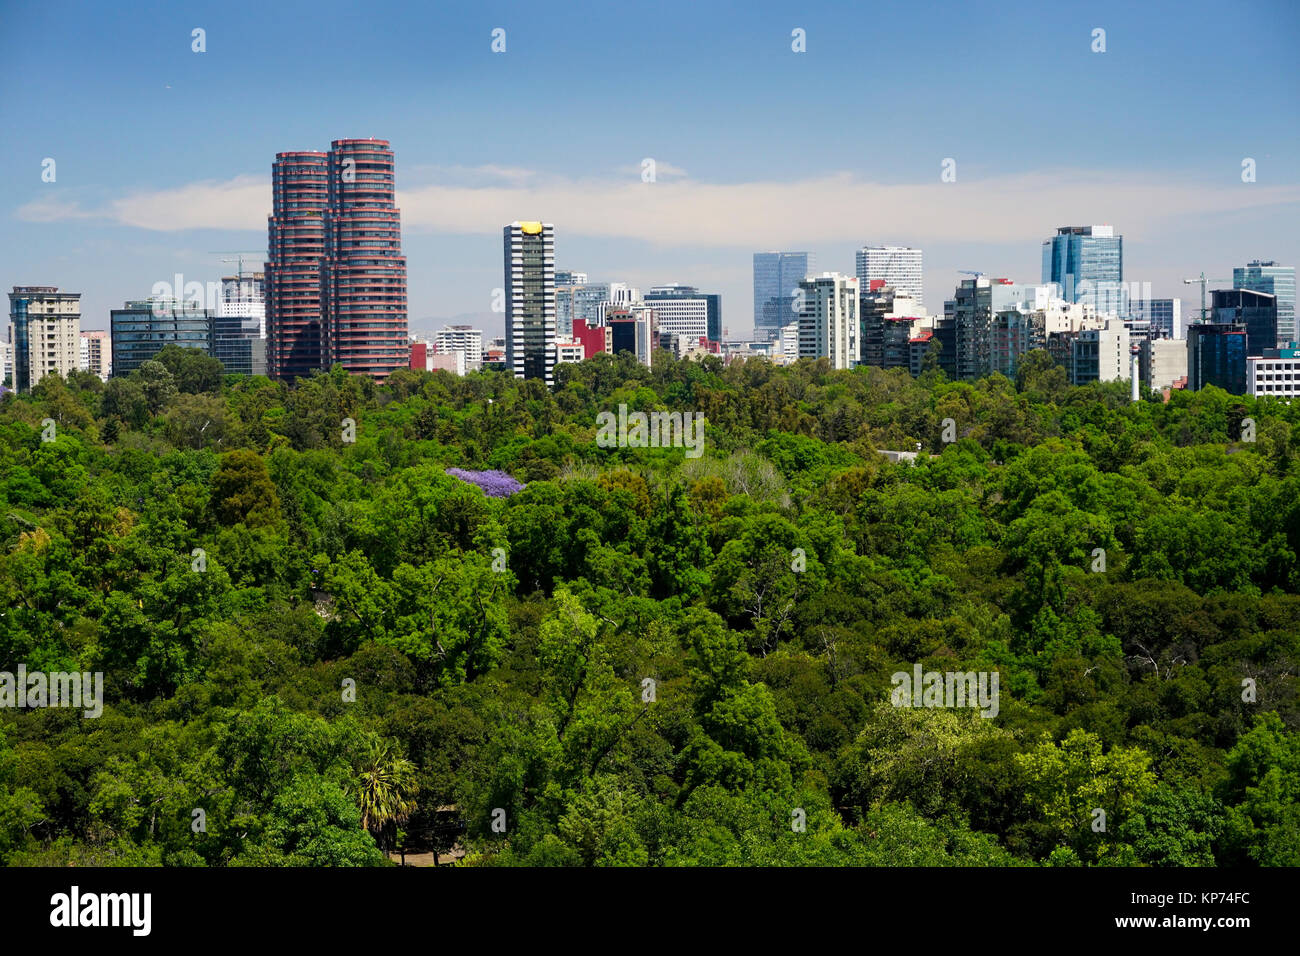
[
  {"x": 776, "y": 277},
  {"x": 898, "y": 266},
  {"x": 1268, "y": 276},
  {"x": 336, "y": 279},
  {"x": 1087, "y": 262},
  {"x": 45, "y": 325},
  {"x": 295, "y": 321},
  {"x": 364, "y": 277},
  {"x": 530, "y": 299}
]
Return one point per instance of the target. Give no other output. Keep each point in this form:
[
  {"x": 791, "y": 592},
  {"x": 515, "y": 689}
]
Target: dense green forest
[{"x": 333, "y": 648}]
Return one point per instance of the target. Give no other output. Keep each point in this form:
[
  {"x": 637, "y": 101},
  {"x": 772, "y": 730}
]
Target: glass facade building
[
  {"x": 1087, "y": 263},
  {"x": 140, "y": 330},
  {"x": 1276, "y": 280},
  {"x": 1257, "y": 311},
  {"x": 1216, "y": 355},
  {"x": 776, "y": 278}
]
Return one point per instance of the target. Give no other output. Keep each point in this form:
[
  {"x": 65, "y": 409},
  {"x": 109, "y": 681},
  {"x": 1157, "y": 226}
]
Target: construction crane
[
  {"x": 1202, "y": 280},
  {"x": 237, "y": 255}
]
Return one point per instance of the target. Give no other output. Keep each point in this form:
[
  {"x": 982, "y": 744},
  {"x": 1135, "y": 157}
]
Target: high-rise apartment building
[
  {"x": 530, "y": 300},
  {"x": 899, "y": 266},
  {"x": 1087, "y": 263},
  {"x": 969, "y": 319},
  {"x": 828, "y": 319},
  {"x": 889, "y": 320},
  {"x": 1268, "y": 276},
  {"x": 336, "y": 277},
  {"x": 461, "y": 338},
  {"x": 1101, "y": 355},
  {"x": 45, "y": 330},
  {"x": 776, "y": 277},
  {"x": 96, "y": 353},
  {"x": 296, "y": 339}
]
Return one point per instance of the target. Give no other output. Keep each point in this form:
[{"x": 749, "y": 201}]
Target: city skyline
[{"x": 116, "y": 220}]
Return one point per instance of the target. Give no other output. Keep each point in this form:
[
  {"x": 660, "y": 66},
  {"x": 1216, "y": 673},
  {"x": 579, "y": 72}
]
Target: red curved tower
[
  {"x": 336, "y": 282},
  {"x": 295, "y": 330}
]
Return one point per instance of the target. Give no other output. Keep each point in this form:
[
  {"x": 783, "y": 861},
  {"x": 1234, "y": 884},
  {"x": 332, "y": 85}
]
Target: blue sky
[{"x": 163, "y": 154}]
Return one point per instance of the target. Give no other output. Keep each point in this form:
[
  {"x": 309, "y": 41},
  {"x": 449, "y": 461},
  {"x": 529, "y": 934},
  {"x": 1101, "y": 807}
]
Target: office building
[
  {"x": 1164, "y": 315},
  {"x": 1276, "y": 280},
  {"x": 96, "y": 353},
  {"x": 1087, "y": 264},
  {"x": 141, "y": 328},
  {"x": 589, "y": 302},
  {"x": 897, "y": 266},
  {"x": 530, "y": 300},
  {"x": 336, "y": 278},
  {"x": 45, "y": 332},
  {"x": 239, "y": 326},
  {"x": 1257, "y": 311},
  {"x": 776, "y": 277},
  {"x": 1216, "y": 355},
  {"x": 828, "y": 320},
  {"x": 1276, "y": 373},
  {"x": 684, "y": 310}
]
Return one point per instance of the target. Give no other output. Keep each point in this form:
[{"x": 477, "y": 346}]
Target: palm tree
[{"x": 386, "y": 789}]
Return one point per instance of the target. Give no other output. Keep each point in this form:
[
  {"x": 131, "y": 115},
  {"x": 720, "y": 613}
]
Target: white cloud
[{"x": 834, "y": 208}]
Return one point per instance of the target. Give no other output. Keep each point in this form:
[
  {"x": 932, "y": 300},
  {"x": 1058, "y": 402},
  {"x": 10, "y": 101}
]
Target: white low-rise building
[{"x": 1276, "y": 373}]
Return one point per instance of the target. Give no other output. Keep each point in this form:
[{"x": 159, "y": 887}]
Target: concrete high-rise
[
  {"x": 1268, "y": 276},
  {"x": 776, "y": 277},
  {"x": 899, "y": 266},
  {"x": 336, "y": 278},
  {"x": 530, "y": 300},
  {"x": 828, "y": 319},
  {"x": 45, "y": 330}
]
